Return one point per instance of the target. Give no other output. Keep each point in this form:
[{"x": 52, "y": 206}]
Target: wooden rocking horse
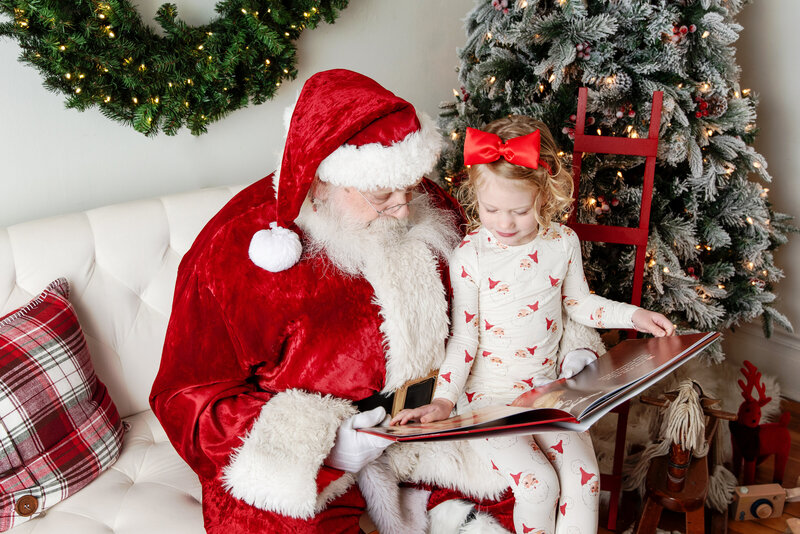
[{"x": 679, "y": 481}]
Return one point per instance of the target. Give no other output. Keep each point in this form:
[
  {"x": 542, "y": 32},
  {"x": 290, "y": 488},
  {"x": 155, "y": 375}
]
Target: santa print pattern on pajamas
[
  {"x": 554, "y": 479},
  {"x": 506, "y": 327},
  {"x": 507, "y": 312}
]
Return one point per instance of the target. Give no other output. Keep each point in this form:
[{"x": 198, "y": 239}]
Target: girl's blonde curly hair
[{"x": 554, "y": 187}]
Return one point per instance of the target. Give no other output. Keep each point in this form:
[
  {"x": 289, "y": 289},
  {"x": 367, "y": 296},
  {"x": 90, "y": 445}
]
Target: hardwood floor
[{"x": 669, "y": 521}]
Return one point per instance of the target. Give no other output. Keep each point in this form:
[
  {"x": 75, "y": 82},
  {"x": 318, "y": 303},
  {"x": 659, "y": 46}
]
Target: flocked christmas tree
[{"x": 712, "y": 229}]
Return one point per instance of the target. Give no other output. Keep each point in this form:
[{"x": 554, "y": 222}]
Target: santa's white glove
[
  {"x": 353, "y": 450},
  {"x": 575, "y": 361},
  {"x": 539, "y": 382}
]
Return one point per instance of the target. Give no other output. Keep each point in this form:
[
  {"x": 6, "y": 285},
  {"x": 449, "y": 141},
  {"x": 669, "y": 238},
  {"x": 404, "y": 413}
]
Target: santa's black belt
[{"x": 412, "y": 394}]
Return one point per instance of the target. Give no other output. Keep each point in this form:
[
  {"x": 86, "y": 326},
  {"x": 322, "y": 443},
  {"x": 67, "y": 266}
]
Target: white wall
[
  {"x": 54, "y": 160},
  {"x": 766, "y": 52}
]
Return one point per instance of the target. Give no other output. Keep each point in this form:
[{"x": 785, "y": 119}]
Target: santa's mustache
[{"x": 349, "y": 243}]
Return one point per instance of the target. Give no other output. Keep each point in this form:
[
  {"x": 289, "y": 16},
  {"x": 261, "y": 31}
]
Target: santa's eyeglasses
[{"x": 414, "y": 192}]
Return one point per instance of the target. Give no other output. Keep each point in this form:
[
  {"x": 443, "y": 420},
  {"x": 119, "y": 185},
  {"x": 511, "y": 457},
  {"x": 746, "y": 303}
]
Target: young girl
[{"x": 512, "y": 276}]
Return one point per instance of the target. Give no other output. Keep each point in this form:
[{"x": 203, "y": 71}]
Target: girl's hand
[
  {"x": 435, "y": 411},
  {"x": 652, "y": 323}
]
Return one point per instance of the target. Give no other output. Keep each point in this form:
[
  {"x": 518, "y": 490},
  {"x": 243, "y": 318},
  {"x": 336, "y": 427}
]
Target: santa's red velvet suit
[{"x": 283, "y": 354}]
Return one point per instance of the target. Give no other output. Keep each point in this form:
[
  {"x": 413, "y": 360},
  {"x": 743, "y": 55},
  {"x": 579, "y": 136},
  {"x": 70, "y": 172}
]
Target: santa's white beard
[
  {"x": 351, "y": 245},
  {"x": 399, "y": 260}
]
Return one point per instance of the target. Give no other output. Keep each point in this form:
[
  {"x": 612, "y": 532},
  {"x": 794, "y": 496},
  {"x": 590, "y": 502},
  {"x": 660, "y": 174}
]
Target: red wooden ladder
[{"x": 647, "y": 147}]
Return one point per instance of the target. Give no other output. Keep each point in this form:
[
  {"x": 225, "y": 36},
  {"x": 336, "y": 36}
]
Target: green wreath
[{"x": 100, "y": 53}]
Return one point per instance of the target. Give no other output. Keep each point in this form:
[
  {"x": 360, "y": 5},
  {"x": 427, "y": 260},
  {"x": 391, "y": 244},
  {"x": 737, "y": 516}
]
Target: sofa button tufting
[{"x": 27, "y": 505}]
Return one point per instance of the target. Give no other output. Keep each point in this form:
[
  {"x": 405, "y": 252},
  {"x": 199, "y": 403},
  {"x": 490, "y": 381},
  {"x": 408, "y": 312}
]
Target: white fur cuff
[
  {"x": 449, "y": 517},
  {"x": 276, "y": 467}
]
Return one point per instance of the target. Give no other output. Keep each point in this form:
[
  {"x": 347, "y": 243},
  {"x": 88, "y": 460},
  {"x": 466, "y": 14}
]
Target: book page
[
  {"x": 620, "y": 368},
  {"x": 573, "y": 403},
  {"x": 470, "y": 422}
]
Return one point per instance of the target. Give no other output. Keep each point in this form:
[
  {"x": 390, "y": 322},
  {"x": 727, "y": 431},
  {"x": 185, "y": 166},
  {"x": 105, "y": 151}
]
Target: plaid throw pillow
[{"x": 58, "y": 427}]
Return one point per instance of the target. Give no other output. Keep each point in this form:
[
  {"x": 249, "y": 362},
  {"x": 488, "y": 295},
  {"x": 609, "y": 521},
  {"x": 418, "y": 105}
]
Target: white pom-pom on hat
[{"x": 275, "y": 249}]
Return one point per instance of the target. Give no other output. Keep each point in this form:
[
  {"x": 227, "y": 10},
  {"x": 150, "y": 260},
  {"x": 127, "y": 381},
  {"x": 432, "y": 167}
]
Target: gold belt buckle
[{"x": 419, "y": 387}]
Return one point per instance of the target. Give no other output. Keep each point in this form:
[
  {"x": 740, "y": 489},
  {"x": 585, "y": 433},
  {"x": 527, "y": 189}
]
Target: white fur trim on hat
[
  {"x": 276, "y": 469},
  {"x": 374, "y": 166},
  {"x": 275, "y": 249}
]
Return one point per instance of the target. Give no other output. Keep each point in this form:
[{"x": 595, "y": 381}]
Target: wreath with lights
[{"x": 100, "y": 53}]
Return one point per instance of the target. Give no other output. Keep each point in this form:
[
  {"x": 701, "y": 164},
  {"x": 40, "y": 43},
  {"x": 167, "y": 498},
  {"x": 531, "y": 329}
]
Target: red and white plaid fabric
[{"x": 59, "y": 428}]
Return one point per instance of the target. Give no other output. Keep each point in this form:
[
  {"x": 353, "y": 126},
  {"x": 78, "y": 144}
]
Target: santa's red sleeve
[{"x": 267, "y": 449}]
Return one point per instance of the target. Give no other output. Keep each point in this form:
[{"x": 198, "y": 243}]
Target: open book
[{"x": 575, "y": 403}]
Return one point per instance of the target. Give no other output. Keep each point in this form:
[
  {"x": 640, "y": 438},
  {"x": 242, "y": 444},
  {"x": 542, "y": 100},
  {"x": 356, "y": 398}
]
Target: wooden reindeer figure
[{"x": 754, "y": 442}]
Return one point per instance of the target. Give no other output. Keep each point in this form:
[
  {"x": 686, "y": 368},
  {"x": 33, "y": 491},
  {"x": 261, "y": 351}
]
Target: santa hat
[{"x": 351, "y": 132}]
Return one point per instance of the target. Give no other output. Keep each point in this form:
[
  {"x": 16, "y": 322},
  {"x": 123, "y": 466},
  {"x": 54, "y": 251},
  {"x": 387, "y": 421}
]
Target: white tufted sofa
[{"x": 121, "y": 262}]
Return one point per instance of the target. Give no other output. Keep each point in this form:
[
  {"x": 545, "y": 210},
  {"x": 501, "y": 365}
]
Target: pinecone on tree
[
  {"x": 717, "y": 105},
  {"x": 621, "y": 82}
]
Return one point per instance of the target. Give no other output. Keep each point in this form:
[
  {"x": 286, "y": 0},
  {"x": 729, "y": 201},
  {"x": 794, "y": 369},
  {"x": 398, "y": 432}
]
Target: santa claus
[{"x": 301, "y": 307}]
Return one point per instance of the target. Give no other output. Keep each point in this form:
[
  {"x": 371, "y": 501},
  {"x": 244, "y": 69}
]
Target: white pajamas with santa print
[{"x": 506, "y": 328}]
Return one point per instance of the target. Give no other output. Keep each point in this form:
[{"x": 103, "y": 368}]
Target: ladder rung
[
  {"x": 611, "y": 234},
  {"x": 616, "y": 145}
]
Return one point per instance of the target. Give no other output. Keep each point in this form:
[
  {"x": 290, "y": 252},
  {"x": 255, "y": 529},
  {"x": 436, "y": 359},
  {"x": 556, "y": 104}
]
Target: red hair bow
[{"x": 484, "y": 147}]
